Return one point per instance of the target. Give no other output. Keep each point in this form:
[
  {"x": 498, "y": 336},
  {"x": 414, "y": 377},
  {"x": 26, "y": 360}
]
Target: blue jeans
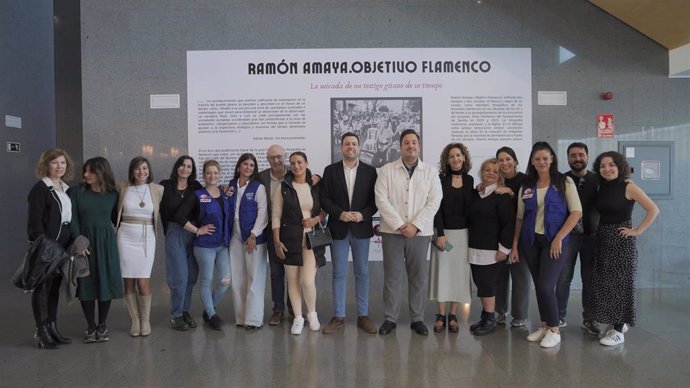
[
  {"x": 181, "y": 269},
  {"x": 208, "y": 259},
  {"x": 545, "y": 272},
  {"x": 360, "y": 263},
  {"x": 584, "y": 245}
]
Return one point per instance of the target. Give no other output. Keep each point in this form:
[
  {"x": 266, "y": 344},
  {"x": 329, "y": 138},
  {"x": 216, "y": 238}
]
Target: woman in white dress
[{"x": 137, "y": 218}]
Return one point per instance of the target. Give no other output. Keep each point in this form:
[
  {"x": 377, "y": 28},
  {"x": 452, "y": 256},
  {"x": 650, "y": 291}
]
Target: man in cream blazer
[{"x": 408, "y": 195}]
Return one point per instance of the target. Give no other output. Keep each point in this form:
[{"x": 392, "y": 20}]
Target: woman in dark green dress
[{"x": 94, "y": 208}]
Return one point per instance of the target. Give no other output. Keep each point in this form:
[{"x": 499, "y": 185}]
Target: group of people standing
[
  {"x": 514, "y": 224},
  {"x": 503, "y": 228}
]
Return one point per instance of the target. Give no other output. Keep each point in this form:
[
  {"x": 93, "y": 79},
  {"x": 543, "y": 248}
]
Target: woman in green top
[{"x": 94, "y": 208}]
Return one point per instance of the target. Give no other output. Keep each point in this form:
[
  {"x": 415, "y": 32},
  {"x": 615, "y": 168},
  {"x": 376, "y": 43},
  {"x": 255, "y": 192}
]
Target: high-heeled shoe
[
  {"x": 57, "y": 336},
  {"x": 45, "y": 341}
]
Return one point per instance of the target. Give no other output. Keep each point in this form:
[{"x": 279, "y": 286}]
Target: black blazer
[
  {"x": 335, "y": 201},
  {"x": 45, "y": 214}
]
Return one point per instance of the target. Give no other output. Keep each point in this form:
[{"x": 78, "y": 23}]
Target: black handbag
[{"x": 319, "y": 237}]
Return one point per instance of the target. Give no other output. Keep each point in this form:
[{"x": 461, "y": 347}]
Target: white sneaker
[
  {"x": 297, "y": 325},
  {"x": 612, "y": 338},
  {"x": 610, "y": 327},
  {"x": 538, "y": 334},
  {"x": 313, "y": 319},
  {"x": 550, "y": 340}
]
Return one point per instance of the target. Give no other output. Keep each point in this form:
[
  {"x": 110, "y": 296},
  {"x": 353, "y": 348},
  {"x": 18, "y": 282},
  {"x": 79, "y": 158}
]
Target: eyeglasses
[{"x": 276, "y": 157}]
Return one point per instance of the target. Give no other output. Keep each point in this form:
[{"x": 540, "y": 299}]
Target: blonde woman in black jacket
[{"x": 50, "y": 212}]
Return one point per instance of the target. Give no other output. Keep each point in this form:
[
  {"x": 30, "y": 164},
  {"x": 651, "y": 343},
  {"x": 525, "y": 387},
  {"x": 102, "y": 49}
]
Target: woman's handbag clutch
[{"x": 319, "y": 236}]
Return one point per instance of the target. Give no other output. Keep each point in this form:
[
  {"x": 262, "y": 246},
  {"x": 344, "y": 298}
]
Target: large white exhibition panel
[{"x": 246, "y": 100}]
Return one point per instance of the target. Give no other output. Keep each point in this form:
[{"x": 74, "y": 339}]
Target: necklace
[
  {"x": 180, "y": 192},
  {"x": 141, "y": 197}
]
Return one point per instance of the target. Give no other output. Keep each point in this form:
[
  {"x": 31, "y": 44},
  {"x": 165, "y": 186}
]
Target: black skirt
[{"x": 614, "y": 276}]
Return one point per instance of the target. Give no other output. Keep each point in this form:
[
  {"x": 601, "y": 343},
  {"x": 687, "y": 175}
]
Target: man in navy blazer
[{"x": 347, "y": 195}]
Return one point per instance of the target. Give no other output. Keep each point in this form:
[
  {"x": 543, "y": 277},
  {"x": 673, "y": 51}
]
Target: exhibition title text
[{"x": 368, "y": 67}]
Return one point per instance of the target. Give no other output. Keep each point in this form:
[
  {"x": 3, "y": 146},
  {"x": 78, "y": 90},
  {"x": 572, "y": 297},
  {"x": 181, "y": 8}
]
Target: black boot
[
  {"x": 481, "y": 322},
  {"x": 489, "y": 325},
  {"x": 57, "y": 336},
  {"x": 45, "y": 341}
]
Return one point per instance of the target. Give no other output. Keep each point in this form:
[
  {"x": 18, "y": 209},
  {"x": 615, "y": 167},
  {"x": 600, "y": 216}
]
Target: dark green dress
[{"x": 93, "y": 215}]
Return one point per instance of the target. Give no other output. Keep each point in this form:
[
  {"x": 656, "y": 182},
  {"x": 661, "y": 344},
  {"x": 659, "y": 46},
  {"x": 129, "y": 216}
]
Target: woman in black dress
[{"x": 615, "y": 255}]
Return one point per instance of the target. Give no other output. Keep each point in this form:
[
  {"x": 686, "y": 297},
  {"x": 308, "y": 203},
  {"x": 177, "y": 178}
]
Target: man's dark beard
[{"x": 578, "y": 169}]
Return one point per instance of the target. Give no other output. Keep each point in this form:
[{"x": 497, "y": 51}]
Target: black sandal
[
  {"x": 453, "y": 328},
  {"x": 442, "y": 319}
]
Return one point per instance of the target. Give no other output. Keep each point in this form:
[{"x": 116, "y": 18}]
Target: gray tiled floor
[{"x": 655, "y": 353}]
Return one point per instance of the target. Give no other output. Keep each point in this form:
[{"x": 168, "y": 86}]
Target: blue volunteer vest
[
  {"x": 555, "y": 214},
  {"x": 249, "y": 210},
  {"x": 210, "y": 212}
]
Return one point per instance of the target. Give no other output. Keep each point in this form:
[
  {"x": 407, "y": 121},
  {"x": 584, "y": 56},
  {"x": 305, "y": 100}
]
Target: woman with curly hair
[
  {"x": 450, "y": 266},
  {"x": 615, "y": 253}
]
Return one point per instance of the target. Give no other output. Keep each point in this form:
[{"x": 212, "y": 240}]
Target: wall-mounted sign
[{"x": 605, "y": 125}]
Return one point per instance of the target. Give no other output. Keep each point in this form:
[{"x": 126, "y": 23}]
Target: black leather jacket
[{"x": 43, "y": 259}]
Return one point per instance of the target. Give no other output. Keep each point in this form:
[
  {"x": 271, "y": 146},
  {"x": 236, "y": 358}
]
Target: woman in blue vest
[
  {"x": 207, "y": 214},
  {"x": 548, "y": 209},
  {"x": 248, "y": 206}
]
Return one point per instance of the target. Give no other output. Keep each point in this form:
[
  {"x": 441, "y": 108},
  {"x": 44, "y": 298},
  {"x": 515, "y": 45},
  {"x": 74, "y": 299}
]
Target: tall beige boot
[
  {"x": 144, "y": 313},
  {"x": 133, "y": 308}
]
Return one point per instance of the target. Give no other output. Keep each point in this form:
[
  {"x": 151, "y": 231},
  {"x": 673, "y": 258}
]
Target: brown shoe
[
  {"x": 365, "y": 324},
  {"x": 276, "y": 319},
  {"x": 334, "y": 324}
]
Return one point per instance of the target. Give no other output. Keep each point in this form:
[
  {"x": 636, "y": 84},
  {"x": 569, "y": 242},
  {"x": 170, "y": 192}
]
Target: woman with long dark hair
[
  {"x": 512, "y": 278},
  {"x": 181, "y": 268},
  {"x": 249, "y": 217},
  {"x": 615, "y": 255},
  {"x": 450, "y": 269},
  {"x": 50, "y": 212},
  {"x": 548, "y": 209},
  {"x": 137, "y": 220},
  {"x": 94, "y": 211}
]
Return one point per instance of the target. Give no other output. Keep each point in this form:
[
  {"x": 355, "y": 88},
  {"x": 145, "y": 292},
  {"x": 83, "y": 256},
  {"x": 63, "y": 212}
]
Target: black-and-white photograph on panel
[{"x": 378, "y": 122}]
